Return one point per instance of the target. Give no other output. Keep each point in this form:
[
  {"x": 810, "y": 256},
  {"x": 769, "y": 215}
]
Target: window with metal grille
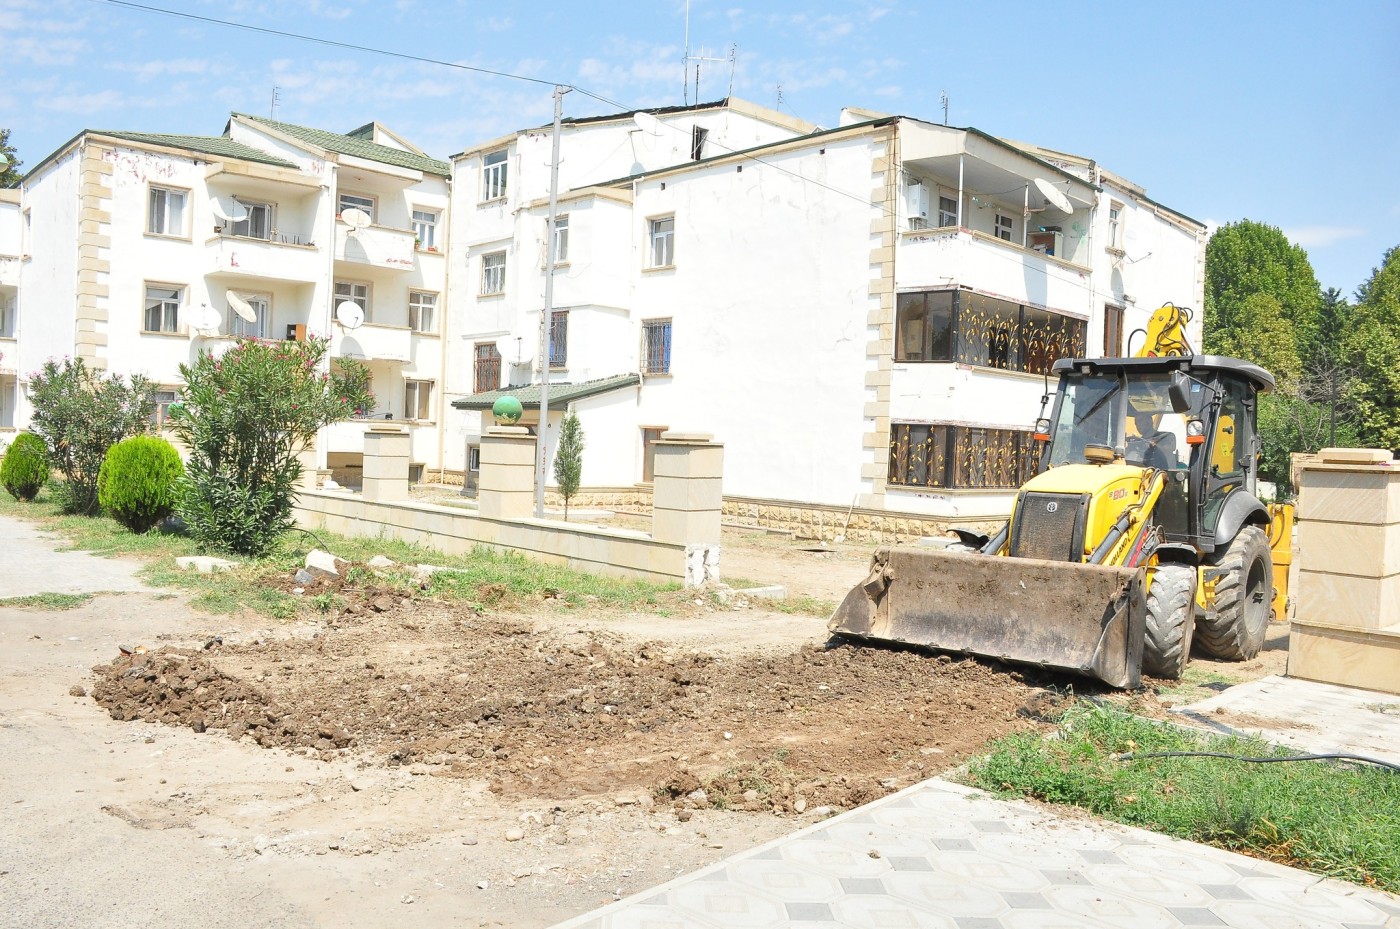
[
  {"x": 662, "y": 235},
  {"x": 656, "y": 346},
  {"x": 493, "y": 175},
  {"x": 974, "y": 329},
  {"x": 421, "y": 308},
  {"x": 487, "y": 367},
  {"x": 418, "y": 400},
  {"x": 163, "y": 307},
  {"x": 493, "y": 274},
  {"x": 167, "y": 212},
  {"x": 559, "y": 339},
  {"x": 961, "y": 457}
]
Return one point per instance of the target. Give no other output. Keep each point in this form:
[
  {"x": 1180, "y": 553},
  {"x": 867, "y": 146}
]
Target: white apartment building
[
  {"x": 9, "y": 313},
  {"x": 863, "y": 315},
  {"x": 142, "y": 250}
]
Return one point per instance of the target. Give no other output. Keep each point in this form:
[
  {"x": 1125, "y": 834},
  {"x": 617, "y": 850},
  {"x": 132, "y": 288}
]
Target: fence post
[
  {"x": 506, "y": 485},
  {"x": 687, "y": 499},
  {"x": 387, "y": 450}
]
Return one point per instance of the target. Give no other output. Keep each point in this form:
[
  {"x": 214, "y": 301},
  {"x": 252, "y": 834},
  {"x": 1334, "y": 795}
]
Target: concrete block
[
  {"x": 1345, "y": 548},
  {"x": 383, "y": 490},
  {"x": 1347, "y": 600},
  {"x": 681, "y": 526},
  {"x": 684, "y": 460},
  {"x": 1350, "y": 657},
  {"x": 204, "y": 564},
  {"x": 1364, "y": 456},
  {"x": 676, "y": 493},
  {"x": 323, "y": 564},
  {"x": 1350, "y": 495},
  {"x": 384, "y": 467},
  {"x": 497, "y": 450}
]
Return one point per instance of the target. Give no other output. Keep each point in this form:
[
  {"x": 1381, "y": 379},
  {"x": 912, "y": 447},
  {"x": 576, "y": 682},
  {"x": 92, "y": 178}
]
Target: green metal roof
[
  {"x": 529, "y": 395},
  {"x": 219, "y": 145},
  {"x": 356, "y": 146}
]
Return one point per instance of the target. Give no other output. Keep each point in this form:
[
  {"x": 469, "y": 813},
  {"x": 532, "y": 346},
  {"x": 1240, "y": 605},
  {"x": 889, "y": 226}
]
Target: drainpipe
[
  {"x": 960, "y": 190},
  {"x": 1026, "y": 216}
]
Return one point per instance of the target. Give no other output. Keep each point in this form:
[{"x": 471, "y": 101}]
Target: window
[
  {"x": 961, "y": 457},
  {"x": 697, "y": 143},
  {"x": 356, "y": 292},
  {"x": 9, "y": 311},
  {"x": 160, "y": 416},
  {"x": 421, "y": 306},
  {"x": 425, "y": 228},
  {"x": 973, "y": 329},
  {"x": 1004, "y": 226},
  {"x": 493, "y": 273},
  {"x": 258, "y": 328},
  {"x": 167, "y": 212},
  {"x": 561, "y": 239},
  {"x": 355, "y": 202},
  {"x": 258, "y": 223},
  {"x": 656, "y": 346},
  {"x": 9, "y": 388},
  {"x": 1115, "y": 225},
  {"x": 493, "y": 176},
  {"x": 418, "y": 400},
  {"x": 474, "y": 458},
  {"x": 163, "y": 307},
  {"x": 947, "y": 211},
  {"x": 1112, "y": 331},
  {"x": 487, "y": 367},
  {"x": 559, "y": 339},
  {"x": 662, "y": 236}
]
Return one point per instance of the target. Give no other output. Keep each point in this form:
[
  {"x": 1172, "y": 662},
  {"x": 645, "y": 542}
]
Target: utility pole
[{"x": 547, "y": 316}]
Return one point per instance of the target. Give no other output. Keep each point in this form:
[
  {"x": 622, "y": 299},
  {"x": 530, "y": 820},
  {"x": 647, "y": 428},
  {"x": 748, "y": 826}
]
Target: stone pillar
[
  {"x": 387, "y": 450},
  {"x": 1346, "y": 628},
  {"x": 507, "y": 478},
  {"x": 687, "y": 500}
]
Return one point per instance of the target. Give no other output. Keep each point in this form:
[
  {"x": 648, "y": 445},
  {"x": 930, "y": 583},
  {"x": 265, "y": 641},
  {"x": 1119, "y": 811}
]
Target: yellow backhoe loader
[{"x": 1140, "y": 533}]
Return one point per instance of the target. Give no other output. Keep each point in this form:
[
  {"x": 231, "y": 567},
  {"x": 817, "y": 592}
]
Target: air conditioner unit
[{"x": 916, "y": 200}]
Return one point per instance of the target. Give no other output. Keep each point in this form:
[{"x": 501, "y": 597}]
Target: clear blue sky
[{"x": 1283, "y": 112}]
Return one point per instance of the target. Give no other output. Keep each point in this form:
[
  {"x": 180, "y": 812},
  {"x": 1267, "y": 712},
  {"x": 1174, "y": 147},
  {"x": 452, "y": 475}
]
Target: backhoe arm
[{"x": 1166, "y": 333}]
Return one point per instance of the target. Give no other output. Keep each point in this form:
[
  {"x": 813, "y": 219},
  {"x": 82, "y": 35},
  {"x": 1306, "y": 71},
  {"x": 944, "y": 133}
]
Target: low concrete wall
[{"x": 616, "y": 552}]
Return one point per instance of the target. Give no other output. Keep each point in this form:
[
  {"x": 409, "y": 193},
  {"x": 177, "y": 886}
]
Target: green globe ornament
[{"x": 507, "y": 411}]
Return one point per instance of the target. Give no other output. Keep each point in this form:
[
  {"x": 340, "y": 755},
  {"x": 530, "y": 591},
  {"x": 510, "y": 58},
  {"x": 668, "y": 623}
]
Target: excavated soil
[{"x": 559, "y": 710}]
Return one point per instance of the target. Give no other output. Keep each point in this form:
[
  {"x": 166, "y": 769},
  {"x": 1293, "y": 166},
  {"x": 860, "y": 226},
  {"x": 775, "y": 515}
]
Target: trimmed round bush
[
  {"x": 25, "y": 467},
  {"x": 136, "y": 485}
]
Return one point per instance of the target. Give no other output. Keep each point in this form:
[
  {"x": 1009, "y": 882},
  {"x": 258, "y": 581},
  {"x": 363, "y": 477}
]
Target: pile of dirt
[{"x": 539, "y": 712}]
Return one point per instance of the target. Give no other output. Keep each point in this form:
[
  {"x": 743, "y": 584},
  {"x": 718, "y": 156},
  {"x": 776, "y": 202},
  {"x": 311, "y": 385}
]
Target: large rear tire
[
  {"x": 1243, "y": 594},
  {"x": 1170, "y": 620}
]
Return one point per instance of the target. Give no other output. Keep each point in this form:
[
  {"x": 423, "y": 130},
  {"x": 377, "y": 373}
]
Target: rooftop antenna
[
  {"x": 276, "y": 97},
  {"x": 779, "y": 104},
  {"x": 943, "y": 100},
  {"x": 685, "y": 60}
]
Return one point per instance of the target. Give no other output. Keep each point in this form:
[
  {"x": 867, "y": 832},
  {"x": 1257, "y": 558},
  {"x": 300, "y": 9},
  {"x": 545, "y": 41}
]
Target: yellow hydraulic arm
[{"x": 1166, "y": 333}]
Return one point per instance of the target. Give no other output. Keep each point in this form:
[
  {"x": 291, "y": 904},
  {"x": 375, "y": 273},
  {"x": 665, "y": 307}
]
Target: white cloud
[{"x": 1322, "y": 236}]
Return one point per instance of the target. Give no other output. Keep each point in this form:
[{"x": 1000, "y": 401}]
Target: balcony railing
[
  {"x": 269, "y": 258},
  {"x": 377, "y": 246},
  {"x": 372, "y": 343},
  {"x": 938, "y": 257}
]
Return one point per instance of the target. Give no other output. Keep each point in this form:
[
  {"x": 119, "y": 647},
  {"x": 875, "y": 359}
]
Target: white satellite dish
[
  {"x": 228, "y": 209},
  {"x": 647, "y": 123},
  {"x": 1053, "y": 195},
  {"x": 242, "y": 307},
  {"x": 349, "y": 315},
  {"x": 207, "y": 320},
  {"x": 355, "y": 219},
  {"x": 514, "y": 350}
]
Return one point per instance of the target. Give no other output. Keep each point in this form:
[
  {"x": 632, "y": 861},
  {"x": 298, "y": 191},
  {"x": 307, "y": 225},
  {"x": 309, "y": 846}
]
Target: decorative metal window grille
[
  {"x": 656, "y": 346},
  {"x": 961, "y": 457},
  {"x": 970, "y": 328},
  {"x": 493, "y": 175},
  {"x": 487, "y": 367},
  {"x": 559, "y": 339},
  {"x": 493, "y": 273}
]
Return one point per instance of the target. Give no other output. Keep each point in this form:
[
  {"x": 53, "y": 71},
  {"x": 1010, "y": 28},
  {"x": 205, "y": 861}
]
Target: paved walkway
[
  {"x": 32, "y": 566},
  {"x": 941, "y": 855}
]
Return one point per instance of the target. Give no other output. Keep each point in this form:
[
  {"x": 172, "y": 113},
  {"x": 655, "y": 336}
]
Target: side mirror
[{"x": 1180, "y": 392}]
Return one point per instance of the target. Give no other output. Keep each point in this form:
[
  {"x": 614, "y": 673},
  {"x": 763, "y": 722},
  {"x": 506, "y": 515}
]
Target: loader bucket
[{"x": 1084, "y": 618}]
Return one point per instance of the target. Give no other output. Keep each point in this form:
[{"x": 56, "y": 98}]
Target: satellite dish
[
  {"x": 349, "y": 315},
  {"x": 207, "y": 320},
  {"x": 514, "y": 350},
  {"x": 355, "y": 219},
  {"x": 228, "y": 209},
  {"x": 647, "y": 123},
  {"x": 242, "y": 307},
  {"x": 1053, "y": 195}
]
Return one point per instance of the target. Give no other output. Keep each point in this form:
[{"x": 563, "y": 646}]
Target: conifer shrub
[
  {"x": 25, "y": 468},
  {"x": 136, "y": 484}
]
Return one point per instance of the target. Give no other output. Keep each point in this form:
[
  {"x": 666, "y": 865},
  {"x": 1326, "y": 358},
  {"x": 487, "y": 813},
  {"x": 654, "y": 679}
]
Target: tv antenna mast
[
  {"x": 687, "y": 58},
  {"x": 943, "y": 101},
  {"x": 276, "y": 97}
]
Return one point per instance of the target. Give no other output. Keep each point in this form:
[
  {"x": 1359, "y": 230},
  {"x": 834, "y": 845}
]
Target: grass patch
[
  {"x": 802, "y": 606},
  {"x": 48, "y": 601},
  {"x": 1337, "y": 820}
]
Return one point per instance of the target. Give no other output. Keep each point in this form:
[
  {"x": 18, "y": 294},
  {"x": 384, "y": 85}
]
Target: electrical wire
[{"x": 1336, "y": 756}]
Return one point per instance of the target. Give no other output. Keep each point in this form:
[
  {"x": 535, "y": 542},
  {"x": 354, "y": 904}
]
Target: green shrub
[
  {"x": 136, "y": 485},
  {"x": 80, "y": 413},
  {"x": 25, "y": 468}
]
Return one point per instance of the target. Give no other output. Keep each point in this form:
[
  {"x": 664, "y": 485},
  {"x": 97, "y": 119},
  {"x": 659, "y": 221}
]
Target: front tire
[
  {"x": 1170, "y": 620},
  {"x": 1235, "y": 630}
]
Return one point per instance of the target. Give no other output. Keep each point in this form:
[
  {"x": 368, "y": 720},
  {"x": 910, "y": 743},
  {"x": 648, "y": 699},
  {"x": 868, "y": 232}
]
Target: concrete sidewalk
[
  {"x": 946, "y": 856},
  {"x": 33, "y": 566}
]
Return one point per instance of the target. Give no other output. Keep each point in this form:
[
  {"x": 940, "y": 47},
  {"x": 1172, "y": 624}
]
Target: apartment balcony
[
  {"x": 372, "y": 343},
  {"x": 940, "y": 258},
  {"x": 375, "y": 246},
  {"x": 283, "y": 257}
]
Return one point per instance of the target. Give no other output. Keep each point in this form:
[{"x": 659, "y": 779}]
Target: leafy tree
[
  {"x": 1248, "y": 258},
  {"x": 9, "y": 164},
  {"x": 245, "y": 417},
  {"x": 568, "y": 458},
  {"x": 1371, "y": 348},
  {"x": 1262, "y": 335},
  {"x": 80, "y": 413}
]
